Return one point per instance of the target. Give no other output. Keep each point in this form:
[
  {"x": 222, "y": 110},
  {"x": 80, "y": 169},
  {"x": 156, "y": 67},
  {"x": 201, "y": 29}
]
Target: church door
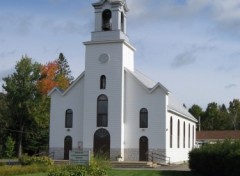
[
  {"x": 102, "y": 143},
  {"x": 143, "y": 148},
  {"x": 67, "y": 147}
]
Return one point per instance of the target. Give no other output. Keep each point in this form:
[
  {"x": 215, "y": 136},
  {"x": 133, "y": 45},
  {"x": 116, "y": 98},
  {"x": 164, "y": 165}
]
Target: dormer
[{"x": 110, "y": 20}]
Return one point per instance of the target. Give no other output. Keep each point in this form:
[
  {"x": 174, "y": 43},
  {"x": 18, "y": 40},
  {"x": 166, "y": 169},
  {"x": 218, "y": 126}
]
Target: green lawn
[
  {"x": 149, "y": 173},
  {"x": 139, "y": 173},
  {"x": 40, "y": 174}
]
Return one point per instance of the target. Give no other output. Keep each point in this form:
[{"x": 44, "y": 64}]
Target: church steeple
[{"x": 110, "y": 20}]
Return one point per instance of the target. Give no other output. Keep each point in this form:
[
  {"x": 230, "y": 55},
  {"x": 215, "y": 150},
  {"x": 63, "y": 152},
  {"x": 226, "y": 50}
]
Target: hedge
[
  {"x": 18, "y": 170},
  {"x": 221, "y": 159}
]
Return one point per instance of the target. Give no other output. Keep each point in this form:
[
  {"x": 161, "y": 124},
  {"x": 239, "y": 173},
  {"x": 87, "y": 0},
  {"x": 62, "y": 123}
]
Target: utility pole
[{"x": 199, "y": 123}]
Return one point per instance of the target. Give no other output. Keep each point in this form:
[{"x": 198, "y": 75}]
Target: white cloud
[{"x": 222, "y": 14}]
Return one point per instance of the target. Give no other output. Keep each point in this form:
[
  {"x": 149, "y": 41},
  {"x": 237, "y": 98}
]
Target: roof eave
[
  {"x": 159, "y": 85},
  {"x": 53, "y": 90},
  {"x": 69, "y": 88},
  {"x": 101, "y": 2},
  {"x": 181, "y": 114}
]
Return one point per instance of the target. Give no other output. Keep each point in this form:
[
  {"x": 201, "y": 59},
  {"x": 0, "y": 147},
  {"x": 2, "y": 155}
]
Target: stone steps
[
  {"x": 61, "y": 162},
  {"x": 117, "y": 164},
  {"x": 132, "y": 164}
]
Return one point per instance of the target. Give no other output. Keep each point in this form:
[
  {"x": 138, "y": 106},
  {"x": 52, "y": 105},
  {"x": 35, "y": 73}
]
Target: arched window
[
  {"x": 171, "y": 132},
  {"x": 122, "y": 22},
  {"x": 184, "y": 135},
  {"x": 193, "y": 134},
  {"x": 103, "y": 82},
  {"x": 178, "y": 135},
  {"x": 102, "y": 111},
  {"x": 189, "y": 131},
  {"x": 69, "y": 118},
  {"x": 143, "y": 118},
  {"x": 106, "y": 20}
]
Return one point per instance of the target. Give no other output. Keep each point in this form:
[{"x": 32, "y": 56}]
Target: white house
[{"x": 112, "y": 108}]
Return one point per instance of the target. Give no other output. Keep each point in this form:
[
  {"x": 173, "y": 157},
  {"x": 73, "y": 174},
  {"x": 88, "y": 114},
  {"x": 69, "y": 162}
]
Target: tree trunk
[{"x": 20, "y": 137}]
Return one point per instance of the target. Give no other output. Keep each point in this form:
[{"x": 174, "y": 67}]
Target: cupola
[{"x": 110, "y": 20}]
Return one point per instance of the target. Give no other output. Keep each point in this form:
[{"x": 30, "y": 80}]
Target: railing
[
  {"x": 50, "y": 155},
  {"x": 159, "y": 158}
]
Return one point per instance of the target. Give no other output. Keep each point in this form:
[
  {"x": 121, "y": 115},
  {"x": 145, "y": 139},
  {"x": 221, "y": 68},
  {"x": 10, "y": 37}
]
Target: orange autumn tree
[
  {"x": 49, "y": 78},
  {"x": 55, "y": 74}
]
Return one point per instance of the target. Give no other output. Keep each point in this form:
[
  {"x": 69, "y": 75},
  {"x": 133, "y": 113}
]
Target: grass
[
  {"x": 150, "y": 173},
  {"x": 138, "y": 173},
  {"x": 39, "y": 174}
]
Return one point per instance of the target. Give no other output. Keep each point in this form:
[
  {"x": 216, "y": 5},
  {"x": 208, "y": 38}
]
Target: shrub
[
  {"x": 98, "y": 167},
  {"x": 3, "y": 163},
  {"x": 17, "y": 170},
  {"x": 222, "y": 159},
  {"x": 9, "y": 152},
  {"x": 29, "y": 160}
]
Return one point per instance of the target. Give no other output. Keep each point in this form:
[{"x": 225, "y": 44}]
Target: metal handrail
[
  {"x": 40, "y": 154},
  {"x": 155, "y": 157},
  {"x": 50, "y": 155}
]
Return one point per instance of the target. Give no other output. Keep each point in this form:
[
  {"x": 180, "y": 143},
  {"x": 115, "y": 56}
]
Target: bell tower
[
  {"x": 107, "y": 55},
  {"x": 110, "y": 20}
]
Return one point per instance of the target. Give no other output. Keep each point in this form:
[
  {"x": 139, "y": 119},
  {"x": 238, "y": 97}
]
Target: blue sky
[{"x": 191, "y": 46}]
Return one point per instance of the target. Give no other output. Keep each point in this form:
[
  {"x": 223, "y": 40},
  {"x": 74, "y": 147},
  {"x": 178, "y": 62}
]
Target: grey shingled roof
[
  {"x": 147, "y": 82},
  {"x": 144, "y": 79},
  {"x": 173, "y": 104},
  {"x": 176, "y": 107}
]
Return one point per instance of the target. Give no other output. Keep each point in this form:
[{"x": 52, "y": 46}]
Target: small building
[
  {"x": 112, "y": 108},
  {"x": 209, "y": 137}
]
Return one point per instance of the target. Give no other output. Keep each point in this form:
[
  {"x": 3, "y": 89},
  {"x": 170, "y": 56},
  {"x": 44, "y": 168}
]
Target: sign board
[{"x": 79, "y": 157}]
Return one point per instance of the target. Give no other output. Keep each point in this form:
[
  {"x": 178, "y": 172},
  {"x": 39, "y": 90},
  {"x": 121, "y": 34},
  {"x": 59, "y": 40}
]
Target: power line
[{"x": 18, "y": 131}]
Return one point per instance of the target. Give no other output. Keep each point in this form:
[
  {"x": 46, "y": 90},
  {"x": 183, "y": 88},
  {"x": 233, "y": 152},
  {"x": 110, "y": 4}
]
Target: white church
[{"x": 112, "y": 108}]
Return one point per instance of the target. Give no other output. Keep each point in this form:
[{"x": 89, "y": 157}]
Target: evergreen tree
[
  {"x": 234, "y": 113},
  {"x": 10, "y": 144},
  {"x": 209, "y": 120},
  {"x": 3, "y": 122},
  {"x": 197, "y": 112},
  {"x": 224, "y": 122},
  {"x": 64, "y": 68}
]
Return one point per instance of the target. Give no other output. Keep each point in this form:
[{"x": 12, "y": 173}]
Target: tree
[
  {"x": 197, "y": 112},
  {"x": 64, "y": 68},
  {"x": 209, "y": 120},
  {"x": 48, "y": 77},
  {"x": 55, "y": 74},
  {"x": 234, "y": 113},
  {"x": 215, "y": 117},
  {"x": 26, "y": 104},
  {"x": 22, "y": 95},
  {"x": 224, "y": 122},
  {"x": 38, "y": 141},
  {"x": 10, "y": 144},
  {"x": 3, "y": 122}
]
